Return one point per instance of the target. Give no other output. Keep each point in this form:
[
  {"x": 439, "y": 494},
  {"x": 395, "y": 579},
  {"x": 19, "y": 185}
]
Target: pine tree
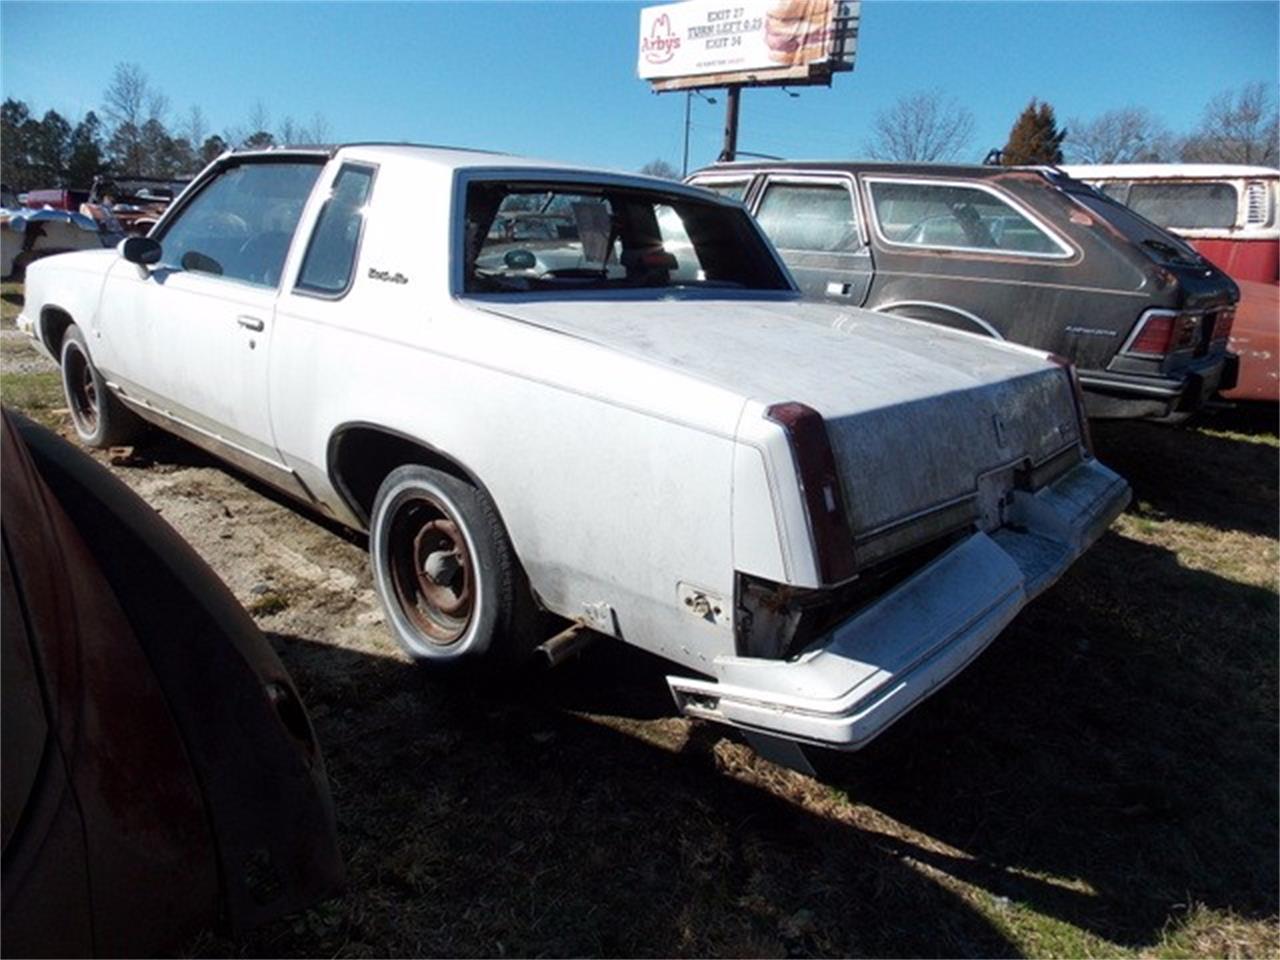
[{"x": 1035, "y": 137}]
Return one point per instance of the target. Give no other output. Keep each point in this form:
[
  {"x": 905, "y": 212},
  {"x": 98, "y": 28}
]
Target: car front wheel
[
  {"x": 99, "y": 418},
  {"x": 446, "y": 573}
]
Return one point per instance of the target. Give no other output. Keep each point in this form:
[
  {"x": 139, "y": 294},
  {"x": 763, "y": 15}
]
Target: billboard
[{"x": 713, "y": 43}]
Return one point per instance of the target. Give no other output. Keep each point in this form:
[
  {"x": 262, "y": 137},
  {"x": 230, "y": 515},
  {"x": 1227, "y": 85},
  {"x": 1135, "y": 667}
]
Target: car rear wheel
[
  {"x": 100, "y": 419},
  {"x": 446, "y": 573}
]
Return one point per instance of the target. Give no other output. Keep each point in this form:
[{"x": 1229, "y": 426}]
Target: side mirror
[{"x": 143, "y": 251}]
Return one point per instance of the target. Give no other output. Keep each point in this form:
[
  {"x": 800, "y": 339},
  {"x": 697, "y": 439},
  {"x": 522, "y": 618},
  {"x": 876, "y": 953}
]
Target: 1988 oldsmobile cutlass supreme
[{"x": 600, "y": 396}]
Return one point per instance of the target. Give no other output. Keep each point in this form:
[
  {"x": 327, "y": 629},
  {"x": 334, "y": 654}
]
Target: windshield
[
  {"x": 524, "y": 237},
  {"x": 1186, "y": 205}
]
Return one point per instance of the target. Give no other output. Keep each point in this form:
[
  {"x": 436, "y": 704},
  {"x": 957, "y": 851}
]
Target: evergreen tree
[
  {"x": 211, "y": 149},
  {"x": 1035, "y": 137},
  {"x": 15, "y": 117},
  {"x": 50, "y": 150},
  {"x": 85, "y": 161}
]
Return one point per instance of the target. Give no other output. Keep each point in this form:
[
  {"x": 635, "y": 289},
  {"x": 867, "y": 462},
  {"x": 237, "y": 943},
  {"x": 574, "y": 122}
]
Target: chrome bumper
[{"x": 853, "y": 684}]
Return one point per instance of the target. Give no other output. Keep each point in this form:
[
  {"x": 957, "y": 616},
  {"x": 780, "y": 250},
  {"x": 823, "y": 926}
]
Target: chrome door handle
[{"x": 250, "y": 323}]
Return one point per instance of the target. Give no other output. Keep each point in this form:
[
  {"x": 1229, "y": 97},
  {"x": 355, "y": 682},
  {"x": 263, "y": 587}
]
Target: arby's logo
[{"x": 661, "y": 44}]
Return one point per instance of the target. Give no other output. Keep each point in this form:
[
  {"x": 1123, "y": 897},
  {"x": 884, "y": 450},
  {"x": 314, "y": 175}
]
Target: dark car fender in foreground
[{"x": 161, "y": 775}]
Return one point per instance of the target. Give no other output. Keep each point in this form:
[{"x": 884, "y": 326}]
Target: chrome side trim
[
  {"x": 277, "y": 475},
  {"x": 946, "y": 308}
]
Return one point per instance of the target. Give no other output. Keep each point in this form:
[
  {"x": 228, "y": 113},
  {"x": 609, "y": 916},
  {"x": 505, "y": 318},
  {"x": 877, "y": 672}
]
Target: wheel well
[
  {"x": 361, "y": 456},
  {"x": 53, "y": 327},
  {"x": 944, "y": 315}
]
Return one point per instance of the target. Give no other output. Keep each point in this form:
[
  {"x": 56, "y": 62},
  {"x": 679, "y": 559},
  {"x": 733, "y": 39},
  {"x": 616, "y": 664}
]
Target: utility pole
[
  {"x": 730, "y": 150},
  {"x": 688, "y": 99},
  {"x": 684, "y": 166}
]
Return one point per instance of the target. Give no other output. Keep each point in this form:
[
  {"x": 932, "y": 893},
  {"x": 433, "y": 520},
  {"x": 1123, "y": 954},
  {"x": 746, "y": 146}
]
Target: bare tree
[
  {"x": 133, "y": 105},
  {"x": 660, "y": 168},
  {"x": 1237, "y": 127},
  {"x": 125, "y": 99},
  {"x": 196, "y": 129},
  {"x": 924, "y": 127},
  {"x": 1127, "y": 135},
  {"x": 318, "y": 131},
  {"x": 290, "y": 132},
  {"x": 259, "y": 134}
]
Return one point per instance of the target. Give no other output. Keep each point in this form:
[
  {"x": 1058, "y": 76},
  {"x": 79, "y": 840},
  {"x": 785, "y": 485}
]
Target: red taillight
[
  {"x": 820, "y": 486},
  {"x": 1163, "y": 332},
  {"x": 1077, "y": 395},
  {"x": 1223, "y": 323}
]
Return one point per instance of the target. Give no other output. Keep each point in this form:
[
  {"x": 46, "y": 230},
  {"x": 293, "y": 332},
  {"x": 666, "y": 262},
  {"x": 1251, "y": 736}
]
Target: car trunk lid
[{"x": 929, "y": 427}]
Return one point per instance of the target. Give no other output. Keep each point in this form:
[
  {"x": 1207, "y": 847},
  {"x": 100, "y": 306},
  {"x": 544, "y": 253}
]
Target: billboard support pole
[{"x": 730, "y": 151}]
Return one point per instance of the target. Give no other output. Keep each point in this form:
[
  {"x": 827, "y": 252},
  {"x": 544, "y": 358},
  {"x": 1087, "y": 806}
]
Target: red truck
[{"x": 1231, "y": 214}]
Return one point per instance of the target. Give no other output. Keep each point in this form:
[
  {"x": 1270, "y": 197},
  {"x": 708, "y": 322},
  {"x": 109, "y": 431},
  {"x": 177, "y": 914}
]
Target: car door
[
  {"x": 813, "y": 220},
  {"x": 191, "y": 336}
]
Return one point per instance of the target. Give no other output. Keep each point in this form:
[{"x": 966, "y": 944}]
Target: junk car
[
  {"x": 161, "y": 776},
  {"x": 819, "y": 514},
  {"x": 26, "y": 235},
  {"x": 1021, "y": 254},
  {"x": 1231, "y": 214}
]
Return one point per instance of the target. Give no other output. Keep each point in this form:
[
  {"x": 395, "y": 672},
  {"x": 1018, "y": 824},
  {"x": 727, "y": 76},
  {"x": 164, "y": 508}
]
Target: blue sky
[{"x": 558, "y": 80}]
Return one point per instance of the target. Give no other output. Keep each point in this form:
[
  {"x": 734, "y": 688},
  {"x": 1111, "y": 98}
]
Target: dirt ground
[{"x": 1102, "y": 782}]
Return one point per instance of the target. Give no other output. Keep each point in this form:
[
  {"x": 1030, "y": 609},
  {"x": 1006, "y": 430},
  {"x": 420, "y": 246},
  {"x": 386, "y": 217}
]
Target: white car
[{"x": 820, "y": 514}]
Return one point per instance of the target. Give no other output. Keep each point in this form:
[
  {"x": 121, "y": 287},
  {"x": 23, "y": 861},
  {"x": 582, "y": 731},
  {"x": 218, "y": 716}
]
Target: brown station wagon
[{"x": 1020, "y": 253}]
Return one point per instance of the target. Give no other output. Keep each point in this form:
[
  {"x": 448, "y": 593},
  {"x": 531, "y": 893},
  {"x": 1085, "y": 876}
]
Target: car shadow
[
  {"x": 157, "y": 450},
  {"x": 493, "y": 823},
  {"x": 1111, "y": 762},
  {"x": 1194, "y": 476},
  {"x": 1120, "y": 736}
]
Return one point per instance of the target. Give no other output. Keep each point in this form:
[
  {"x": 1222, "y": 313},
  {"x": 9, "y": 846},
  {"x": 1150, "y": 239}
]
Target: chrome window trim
[
  {"x": 1068, "y": 251},
  {"x": 464, "y": 177},
  {"x": 188, "y": 196},
  {"x": 706, "y": 181},
  {"x": 825, "y": 178},
  {"x": 298, "y": 289}
]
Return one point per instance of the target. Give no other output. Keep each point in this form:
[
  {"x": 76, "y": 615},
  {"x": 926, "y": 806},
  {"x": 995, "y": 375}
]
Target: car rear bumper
[
  {"x": 1113, "y": 395},
  {"x": 853, "y": 684}
]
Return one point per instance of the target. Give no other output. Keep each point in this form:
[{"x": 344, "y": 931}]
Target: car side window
[
  {"x": 811, "y": 217},
  {"x": 240, "y": 225},
  {"x": 331, "y": 253},
  {"x": 956, "y": 217},
  {"x": 733, "y": 189}
]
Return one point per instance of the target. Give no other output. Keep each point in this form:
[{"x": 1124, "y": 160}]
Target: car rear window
[
  {"x": 954, "y": 216},
  {"x": 529, "y": 238},
  {"x": 1157, "y": 242},
  {"x": 1187, "y": 206}
]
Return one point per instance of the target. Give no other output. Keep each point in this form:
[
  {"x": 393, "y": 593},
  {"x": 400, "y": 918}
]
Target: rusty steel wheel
[
  {"x": 431, "y": 569},
  {"x": 446, "y": 573},
  {"x": 99, "y": 418},
  {"x": 82, "y": 392}
]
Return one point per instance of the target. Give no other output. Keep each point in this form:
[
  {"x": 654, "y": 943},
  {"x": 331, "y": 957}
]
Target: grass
[
  {"x": 10, "y": 303},
  {"x": 38, "y": 395},
  {"x": 1101, "y": 783}
]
